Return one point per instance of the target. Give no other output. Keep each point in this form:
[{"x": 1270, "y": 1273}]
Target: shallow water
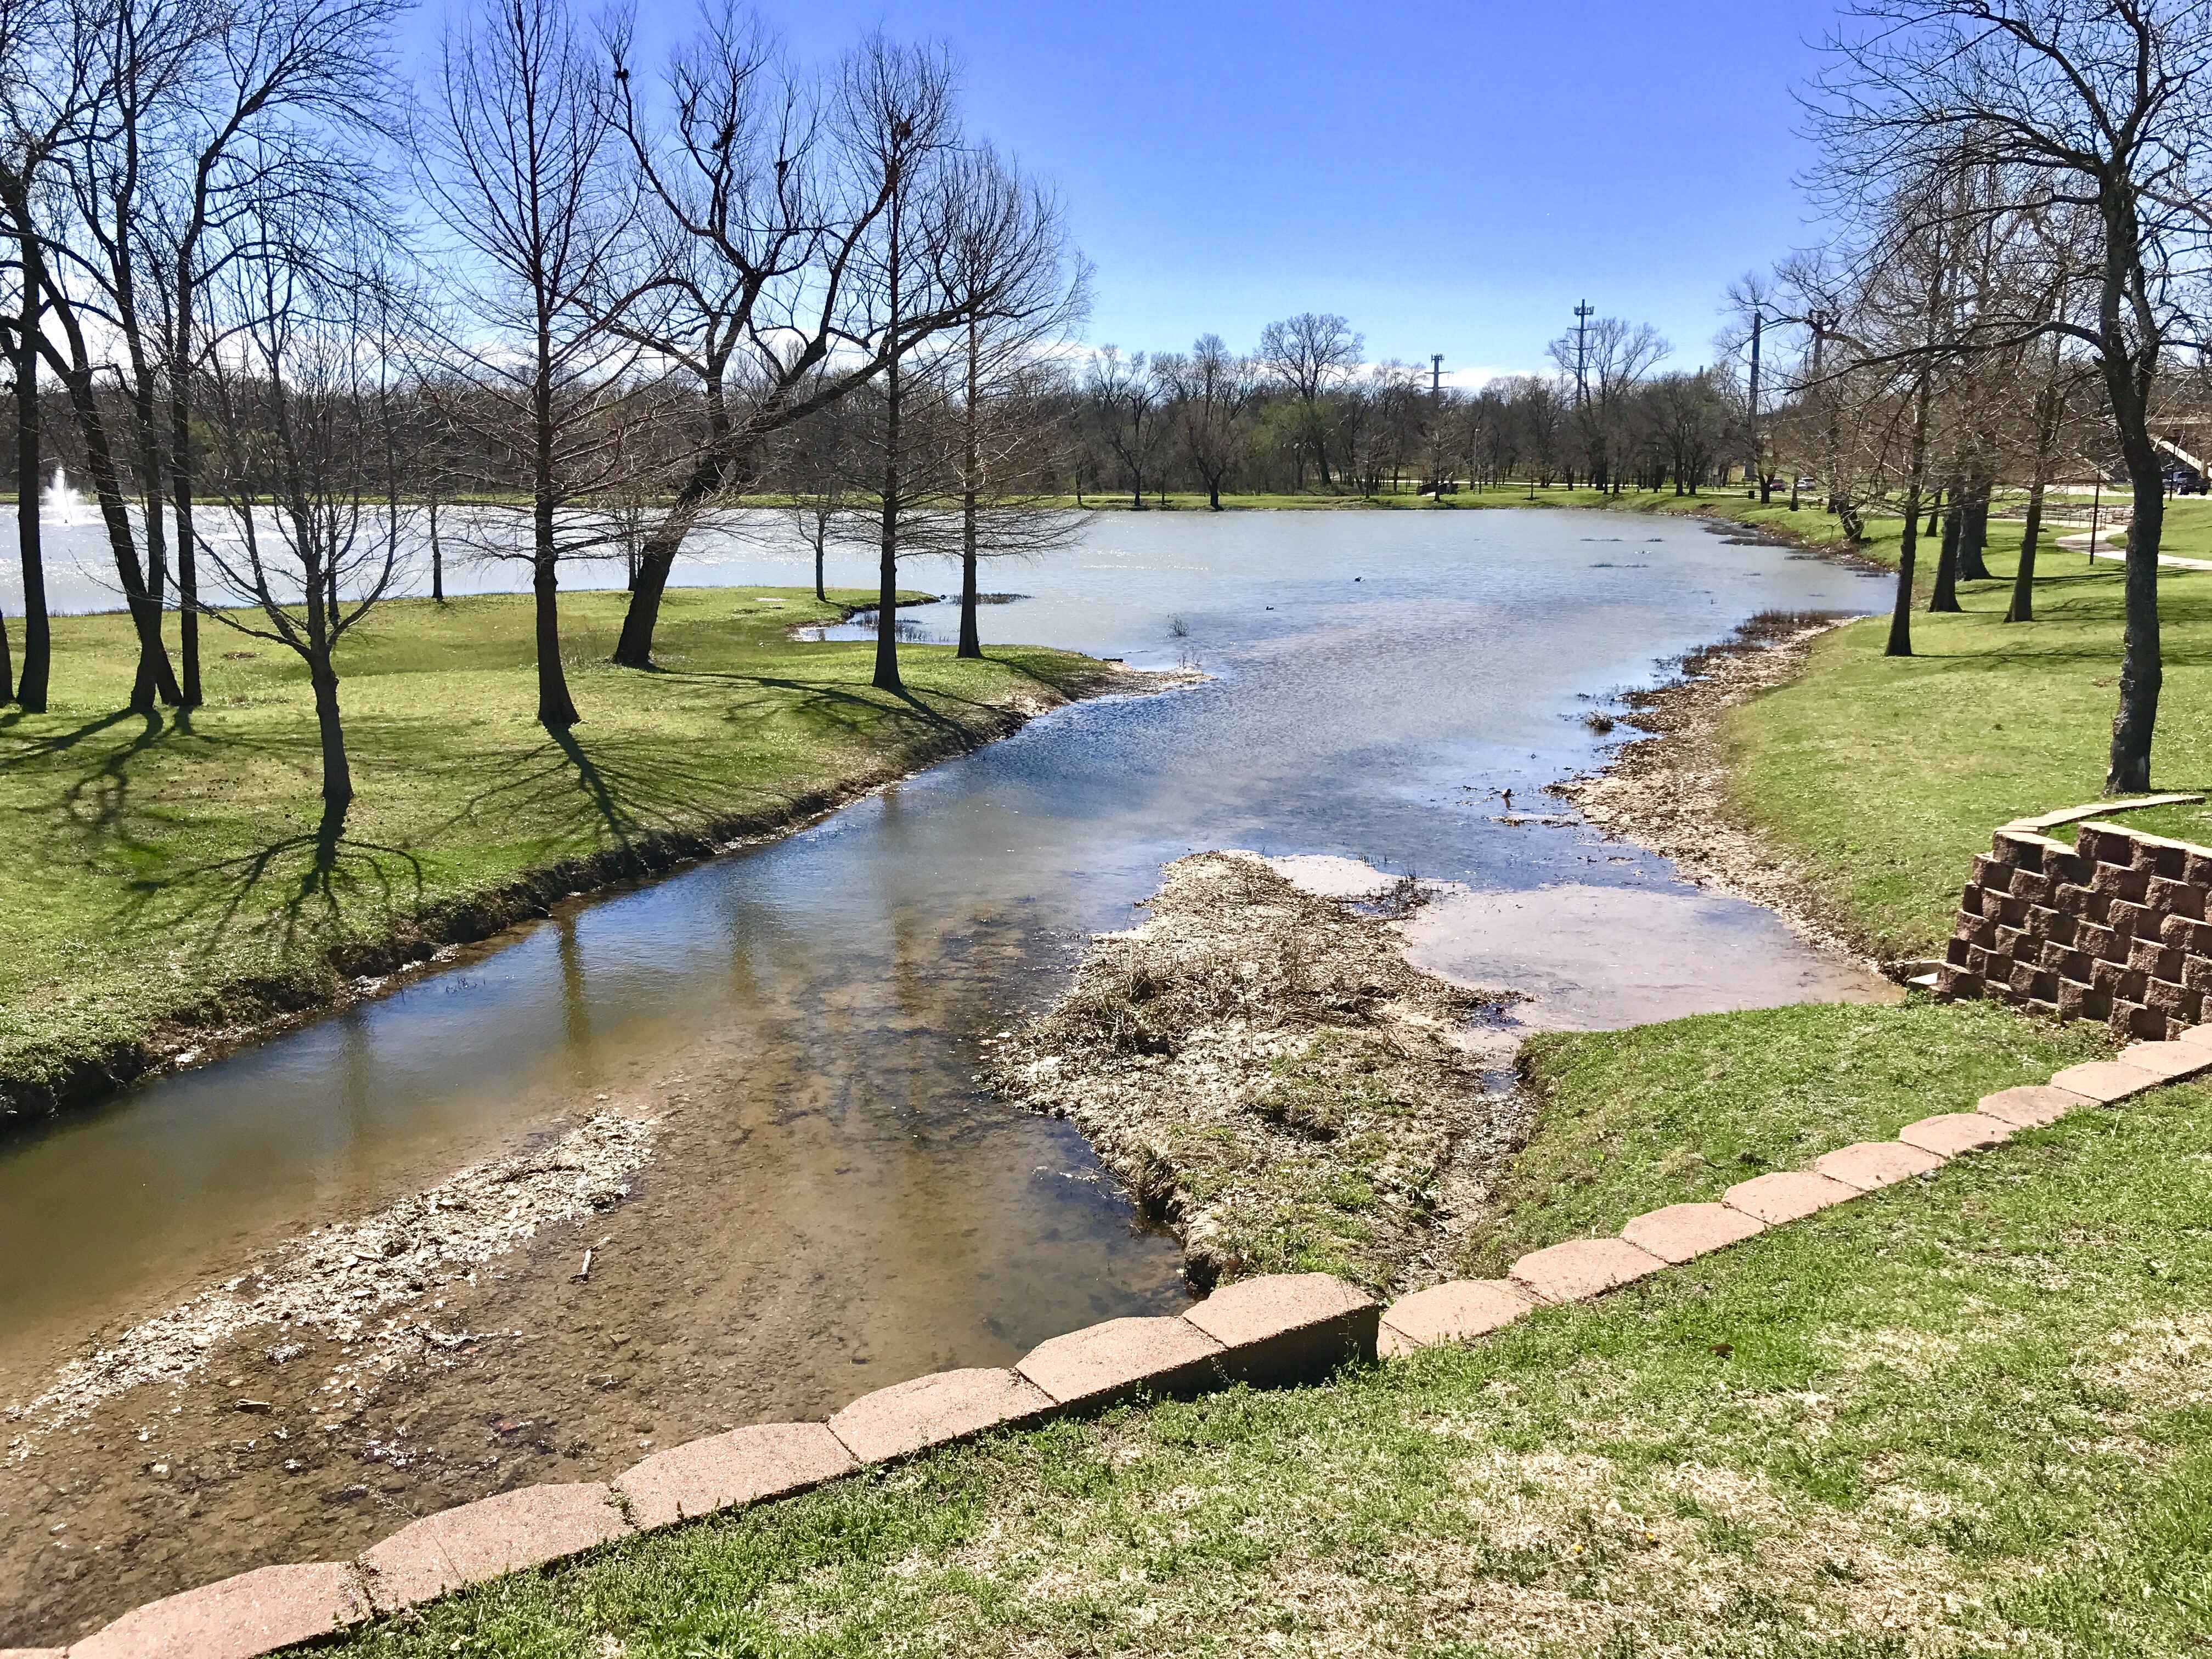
[{"x": 834, "y": 1205}]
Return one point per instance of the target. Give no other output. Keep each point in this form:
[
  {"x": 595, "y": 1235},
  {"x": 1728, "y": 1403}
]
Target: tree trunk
[
  {"x": 31, "y": 689},
  {"x": 1946, "y": 596},
  {"x": 554, "y": 708},
  {"x": 437, "y": 552},
  {"x": 2141, "y": 672},
  {"x": 634, "y": 648},
  {"x": 887, "y": 669},
  {"x": 971, "y": 636},
  {"x": 820, "y": 553},
  {"x": 1974, "y": 533},
  {"x": 154, "y": 678},
  {"x": 2022, "y": 608},
  {"x": 180, "y": 496},
  {"x": 337, "y": 775},
  {"x": 1900, "y": 615}
]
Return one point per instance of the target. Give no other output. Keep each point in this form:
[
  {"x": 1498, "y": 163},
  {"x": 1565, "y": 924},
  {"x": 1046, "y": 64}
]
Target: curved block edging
[{"x": 1281, "y": 1328}]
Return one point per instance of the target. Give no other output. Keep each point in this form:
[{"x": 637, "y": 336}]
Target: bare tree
[
  {"x": 771, "y": 198},
  {"x": 1002, "y": 258},
  {"x": 1125, "y": 397},
  {"x": 1212, "y": 391},
  {"x": 520, "y": 146},
  {"x": 2099, "y": 104},
  {"x": 307, "y": 472},
  {"x": 1311, "y": 354}
]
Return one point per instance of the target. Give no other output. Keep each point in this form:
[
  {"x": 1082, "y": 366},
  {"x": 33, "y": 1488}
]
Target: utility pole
[
  {"x": 1583, "y": 314},
  {"x": 1436, "y": 424},
  {"x": 1757, "y": 321}
]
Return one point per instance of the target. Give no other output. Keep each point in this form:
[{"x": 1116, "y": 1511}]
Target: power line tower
[
  {"x": 1584, "y": 312},
  {"x": 1436, "y": 373}
]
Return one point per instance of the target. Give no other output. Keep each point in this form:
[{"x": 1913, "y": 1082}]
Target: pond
[{"x": 832, "y": 1205}]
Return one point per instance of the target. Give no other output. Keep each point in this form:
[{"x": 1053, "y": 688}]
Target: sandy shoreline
[{"x": 1668, "y": 791}]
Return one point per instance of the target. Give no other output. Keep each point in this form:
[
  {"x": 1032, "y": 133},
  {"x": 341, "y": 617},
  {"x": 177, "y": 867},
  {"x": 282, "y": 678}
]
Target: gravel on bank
[
  {"x": 1268, "y": 1073},
  {"x": 1668, "y": 790}
]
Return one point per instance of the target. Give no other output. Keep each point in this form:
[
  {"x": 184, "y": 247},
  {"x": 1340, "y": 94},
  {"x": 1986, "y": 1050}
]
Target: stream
[{"x": 830, "y": 1203}]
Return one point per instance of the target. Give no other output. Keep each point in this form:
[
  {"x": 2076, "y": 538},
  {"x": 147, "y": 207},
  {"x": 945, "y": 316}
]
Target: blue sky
[{"x": 1452, "y": 177}]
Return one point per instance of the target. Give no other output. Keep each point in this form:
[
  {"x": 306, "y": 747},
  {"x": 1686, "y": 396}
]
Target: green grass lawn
[
  {"x": 1967, "y": 1414},
  {"x": 1883, "y": 776},
  {"x": 160, "y": 867}
]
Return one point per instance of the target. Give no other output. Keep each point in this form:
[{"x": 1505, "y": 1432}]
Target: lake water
[{"x": 834, "y": 1205}]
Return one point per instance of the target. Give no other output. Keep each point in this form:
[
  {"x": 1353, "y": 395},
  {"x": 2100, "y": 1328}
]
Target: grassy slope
[
  {"x": 1964, "y": 1413},
  {"x": 1967, "y": 1414},
  {"x": 1883, "y": 776},
  {"x": 144, "y": 859}
]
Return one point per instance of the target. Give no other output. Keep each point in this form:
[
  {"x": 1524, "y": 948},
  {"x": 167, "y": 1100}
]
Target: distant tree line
[{"x": 1304, "y": 412}]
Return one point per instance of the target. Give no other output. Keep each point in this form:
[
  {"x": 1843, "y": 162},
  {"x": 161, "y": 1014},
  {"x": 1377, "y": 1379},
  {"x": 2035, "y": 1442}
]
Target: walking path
[
  {"x": 1275, "y": 1329},
  {"x": 2112, "y": 549}
]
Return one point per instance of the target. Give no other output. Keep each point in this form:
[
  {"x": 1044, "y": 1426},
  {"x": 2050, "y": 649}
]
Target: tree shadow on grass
[
  {"x": 298, "y": 895},
  {"x": 631, "y": 788}
]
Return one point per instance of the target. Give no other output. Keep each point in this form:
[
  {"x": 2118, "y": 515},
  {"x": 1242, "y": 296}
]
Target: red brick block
[
  {"x": 2107, "y": 845},
  {"x": 240, "y": 1617},
  {"x": 2056, "y": 924},
  {"x": 1873, "y": 1163},
  {"x": 743, "y": 1465},
  {"x": 2038, "y": 983},
  {"x": 2016, "y": 942},
  {"x": 2196, "y": 871},
  {"x": 2104, "y": 1081},
  {"x": 1681, "y": 1231},
  {"x": 2176, "y": 1002},
  {"x": 2190, "y": 937},
  {"x": 1954, "y": 951},
  {"x": 1953, "y": 1134},
  {"x": 1958, "y": 982},
  {"x": 2155, "y": 960},
  {"x": 2024, "y": 849},
  {"x": 2013, "y": 912},
  {"x": 2177, "y": 898},
  {"x": 2118, "y": 882},
  {"x": 1583, "y": 1268},
  {"x": 1987, "y": 964},
  {"x": 2134, "y": 921},
  {"x": 2138, "y": 1020},
  {"x": 2094, "y": 938},
  {"x": 1452, "y": 1312},
  {"x": 488, "y": 1539},
  {"x": 1104, "y": 1364},
  {"x": 1289, "y": 1328},
  {"x": 2196, "y": 975},
  {"x": 911, "y": 1417},
  {"x": 2034, "y": 886},
  {"x": 1786, "y": 1195},
  {"x": 2084, "y": 1002},
  {"x": 2125, "y": 983},
  {"x": 2030, "y": 1106},
  {"x": 2066, "y": 962},
  {"x": 1991, "y": 875},
  {"x": 2156, "y": 856}
]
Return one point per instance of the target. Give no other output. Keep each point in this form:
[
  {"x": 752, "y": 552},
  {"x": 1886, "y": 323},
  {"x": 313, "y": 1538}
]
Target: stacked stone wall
[{"x": 2113, "y": 928}]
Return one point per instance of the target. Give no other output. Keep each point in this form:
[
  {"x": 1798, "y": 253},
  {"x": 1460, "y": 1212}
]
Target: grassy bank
[
  {"x": 1881, "y": 777},
  {"x": 163, "y": 871},
  {"x": 1963, "y": 1415}
]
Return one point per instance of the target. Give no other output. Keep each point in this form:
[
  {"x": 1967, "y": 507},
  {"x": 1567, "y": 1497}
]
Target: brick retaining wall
[{"x": 2113, "y": 928}]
